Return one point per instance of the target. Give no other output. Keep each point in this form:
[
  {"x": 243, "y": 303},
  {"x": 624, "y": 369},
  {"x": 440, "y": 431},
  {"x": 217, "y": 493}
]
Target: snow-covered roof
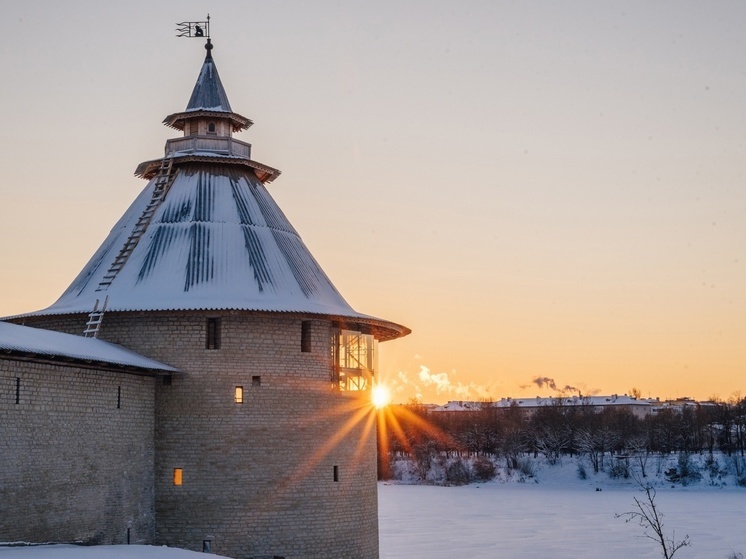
[
  {"x": 208, "y": 93},
  {"x": 208, "y": 99},
  {"x": 595, "y": 401},
  {"x": 216, "y": 241},
  {"x": 16, "y": 340}
]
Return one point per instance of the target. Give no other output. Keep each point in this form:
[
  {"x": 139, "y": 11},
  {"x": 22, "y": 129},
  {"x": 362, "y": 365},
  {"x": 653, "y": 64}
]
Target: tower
[{"x": 265, "y": 439}]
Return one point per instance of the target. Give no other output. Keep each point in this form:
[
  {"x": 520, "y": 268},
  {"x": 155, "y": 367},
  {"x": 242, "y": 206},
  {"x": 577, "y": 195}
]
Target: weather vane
[{"x": 199, "y": 29}]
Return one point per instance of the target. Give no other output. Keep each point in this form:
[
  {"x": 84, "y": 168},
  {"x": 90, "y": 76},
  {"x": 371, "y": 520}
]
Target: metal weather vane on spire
[{"x": 194, "y": 29}]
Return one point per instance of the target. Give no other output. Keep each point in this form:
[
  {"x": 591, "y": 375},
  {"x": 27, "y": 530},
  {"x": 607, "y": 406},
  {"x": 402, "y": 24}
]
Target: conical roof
[
  {"x": 215, "y": 241},
  {"x": 208, "y": 93},
  {"x": 208, "y": 99}
]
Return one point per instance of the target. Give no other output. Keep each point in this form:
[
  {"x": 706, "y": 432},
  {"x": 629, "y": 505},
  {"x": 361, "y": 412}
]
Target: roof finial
[{"x": 208, "y": 47}]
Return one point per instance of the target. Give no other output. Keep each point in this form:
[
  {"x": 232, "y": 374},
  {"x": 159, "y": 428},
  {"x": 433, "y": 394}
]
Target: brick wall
[
  {"x": 73, "y": 465},
  {"x": 258, "y": 477}
]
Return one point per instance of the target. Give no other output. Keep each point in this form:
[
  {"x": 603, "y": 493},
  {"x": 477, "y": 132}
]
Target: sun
[{"x": 381, "y": 396}]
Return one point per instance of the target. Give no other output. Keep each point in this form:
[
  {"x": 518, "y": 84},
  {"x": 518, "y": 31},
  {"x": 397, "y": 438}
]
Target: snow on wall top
[{"x": 23, "y": 339}]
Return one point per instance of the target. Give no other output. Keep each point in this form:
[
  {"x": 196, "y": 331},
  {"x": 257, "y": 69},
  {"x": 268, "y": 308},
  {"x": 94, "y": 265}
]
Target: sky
[{"x": 549, "y": 194}]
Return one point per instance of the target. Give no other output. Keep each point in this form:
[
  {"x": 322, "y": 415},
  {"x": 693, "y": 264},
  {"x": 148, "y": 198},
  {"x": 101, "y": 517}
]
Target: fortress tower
[{"x": 264, "y": 440}]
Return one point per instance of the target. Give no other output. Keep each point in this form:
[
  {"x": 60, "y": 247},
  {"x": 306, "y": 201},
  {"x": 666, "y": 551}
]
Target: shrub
[
  {"x": 712, "y": 465},
  {"x": 620, "y": 468},
  {"x": 582, "y": 474},
  {"x": 458, "y": 473},
  {"x": 685, "y": 471},
  {"x": 483, "y": 469},
  {"x": 526, "y": 466}
]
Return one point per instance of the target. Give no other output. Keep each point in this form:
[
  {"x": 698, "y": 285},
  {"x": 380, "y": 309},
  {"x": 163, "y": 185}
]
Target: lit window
[
  {"x": 238, "y": 395},
  {"x": 177, "y": 476},
  {"x": 213, "y": 333}
]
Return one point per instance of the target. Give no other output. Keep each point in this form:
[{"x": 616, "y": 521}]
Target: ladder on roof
[
  {"x": 163, "y": 181},
  {"x": 95, "y": 319}
]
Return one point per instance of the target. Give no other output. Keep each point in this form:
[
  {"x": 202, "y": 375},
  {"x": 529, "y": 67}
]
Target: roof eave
[
  {"x": 265, "y": 173},
  {"x": 382, "y": 330},
  {"x": 178, "y": 120}
]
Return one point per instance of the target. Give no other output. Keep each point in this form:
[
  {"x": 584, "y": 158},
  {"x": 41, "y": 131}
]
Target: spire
[
  {"x": 208, "y": 93},
  {"x": 208, "y": 98}
]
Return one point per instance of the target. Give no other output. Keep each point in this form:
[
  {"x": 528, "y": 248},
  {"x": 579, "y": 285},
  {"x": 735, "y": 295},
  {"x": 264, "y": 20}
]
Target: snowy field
[{"x": 497, "y": 520}]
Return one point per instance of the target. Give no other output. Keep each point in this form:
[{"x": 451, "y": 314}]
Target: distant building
[
  {"x": 639, "y": 408},
  {"x": 221, "y": 401}
]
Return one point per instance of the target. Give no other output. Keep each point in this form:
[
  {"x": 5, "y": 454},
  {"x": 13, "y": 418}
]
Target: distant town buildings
[{"x": 641, "y": 407}]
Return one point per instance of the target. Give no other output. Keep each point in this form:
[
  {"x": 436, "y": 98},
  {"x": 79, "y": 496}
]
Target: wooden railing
[{"x": 211, "y": 144}]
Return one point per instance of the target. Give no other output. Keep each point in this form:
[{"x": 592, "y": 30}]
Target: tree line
[{"x": 602, "y": 434}]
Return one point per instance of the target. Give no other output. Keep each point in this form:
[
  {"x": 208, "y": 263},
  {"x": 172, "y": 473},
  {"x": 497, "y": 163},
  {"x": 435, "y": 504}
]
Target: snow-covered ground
[
  {"x": 98, "y": 552},
  {"x": 557, "y": 517},
  {"x": 495, "y": 521}
]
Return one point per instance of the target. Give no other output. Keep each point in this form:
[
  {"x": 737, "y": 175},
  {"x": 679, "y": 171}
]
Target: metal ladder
[
  {"x": 163, "y": 181},
  {"x": 95, "y": 319}
]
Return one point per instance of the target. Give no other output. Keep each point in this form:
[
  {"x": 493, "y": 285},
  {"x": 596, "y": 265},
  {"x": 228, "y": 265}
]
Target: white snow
[
  {"x": 169, "y": 270},
  {"x": 494, "y": 520},
  {"x": 98, "y": 552},
  {"x": 14, "y": 337},
  {"x": 558, "y": 517}
]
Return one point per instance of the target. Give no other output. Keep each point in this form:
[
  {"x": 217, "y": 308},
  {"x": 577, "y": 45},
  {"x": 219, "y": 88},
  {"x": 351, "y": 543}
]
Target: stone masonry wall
[
  {"x": 258, "y": 476},
  {"x": 74, "y": 467}
]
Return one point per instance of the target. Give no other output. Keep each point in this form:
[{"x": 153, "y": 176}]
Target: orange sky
[{"x": 539, "y": 191}]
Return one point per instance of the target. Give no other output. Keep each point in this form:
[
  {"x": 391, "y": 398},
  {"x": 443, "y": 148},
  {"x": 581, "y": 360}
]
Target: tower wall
[
  {"x": 76, "y": 455},
  {"x": 258, "y": 476}
]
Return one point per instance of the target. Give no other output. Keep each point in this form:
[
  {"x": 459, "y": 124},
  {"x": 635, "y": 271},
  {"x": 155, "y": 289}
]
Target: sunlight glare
[{"x": 381, "y": 396}]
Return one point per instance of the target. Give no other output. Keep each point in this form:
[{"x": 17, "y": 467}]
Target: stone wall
[
  {"x": 76, "y": 454},
  {"x": 258, "y": 476}
]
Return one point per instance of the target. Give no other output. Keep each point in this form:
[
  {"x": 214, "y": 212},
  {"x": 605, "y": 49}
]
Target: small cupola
[{"x": 208, "y": 112}]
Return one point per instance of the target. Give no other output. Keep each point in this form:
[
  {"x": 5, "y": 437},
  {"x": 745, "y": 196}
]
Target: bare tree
[
  {"x": 595, "y": 443},
  {"x": 650, "y": 518},
  {"x": 551, "y": 443},
  {"x": 640, "y": 452}
]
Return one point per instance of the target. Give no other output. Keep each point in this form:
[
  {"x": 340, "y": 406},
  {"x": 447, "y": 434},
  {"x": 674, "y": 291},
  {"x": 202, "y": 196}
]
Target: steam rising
[{"x": 441, "y": 383}]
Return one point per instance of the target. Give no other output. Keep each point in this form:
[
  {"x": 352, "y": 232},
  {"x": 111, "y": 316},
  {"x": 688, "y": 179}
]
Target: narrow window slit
[
  {"x": 213, "y": 333},
  {"x": 305, "y": 336}
]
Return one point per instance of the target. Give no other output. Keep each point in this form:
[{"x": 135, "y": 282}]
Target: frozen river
[{"x": 497, "y": 520}]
